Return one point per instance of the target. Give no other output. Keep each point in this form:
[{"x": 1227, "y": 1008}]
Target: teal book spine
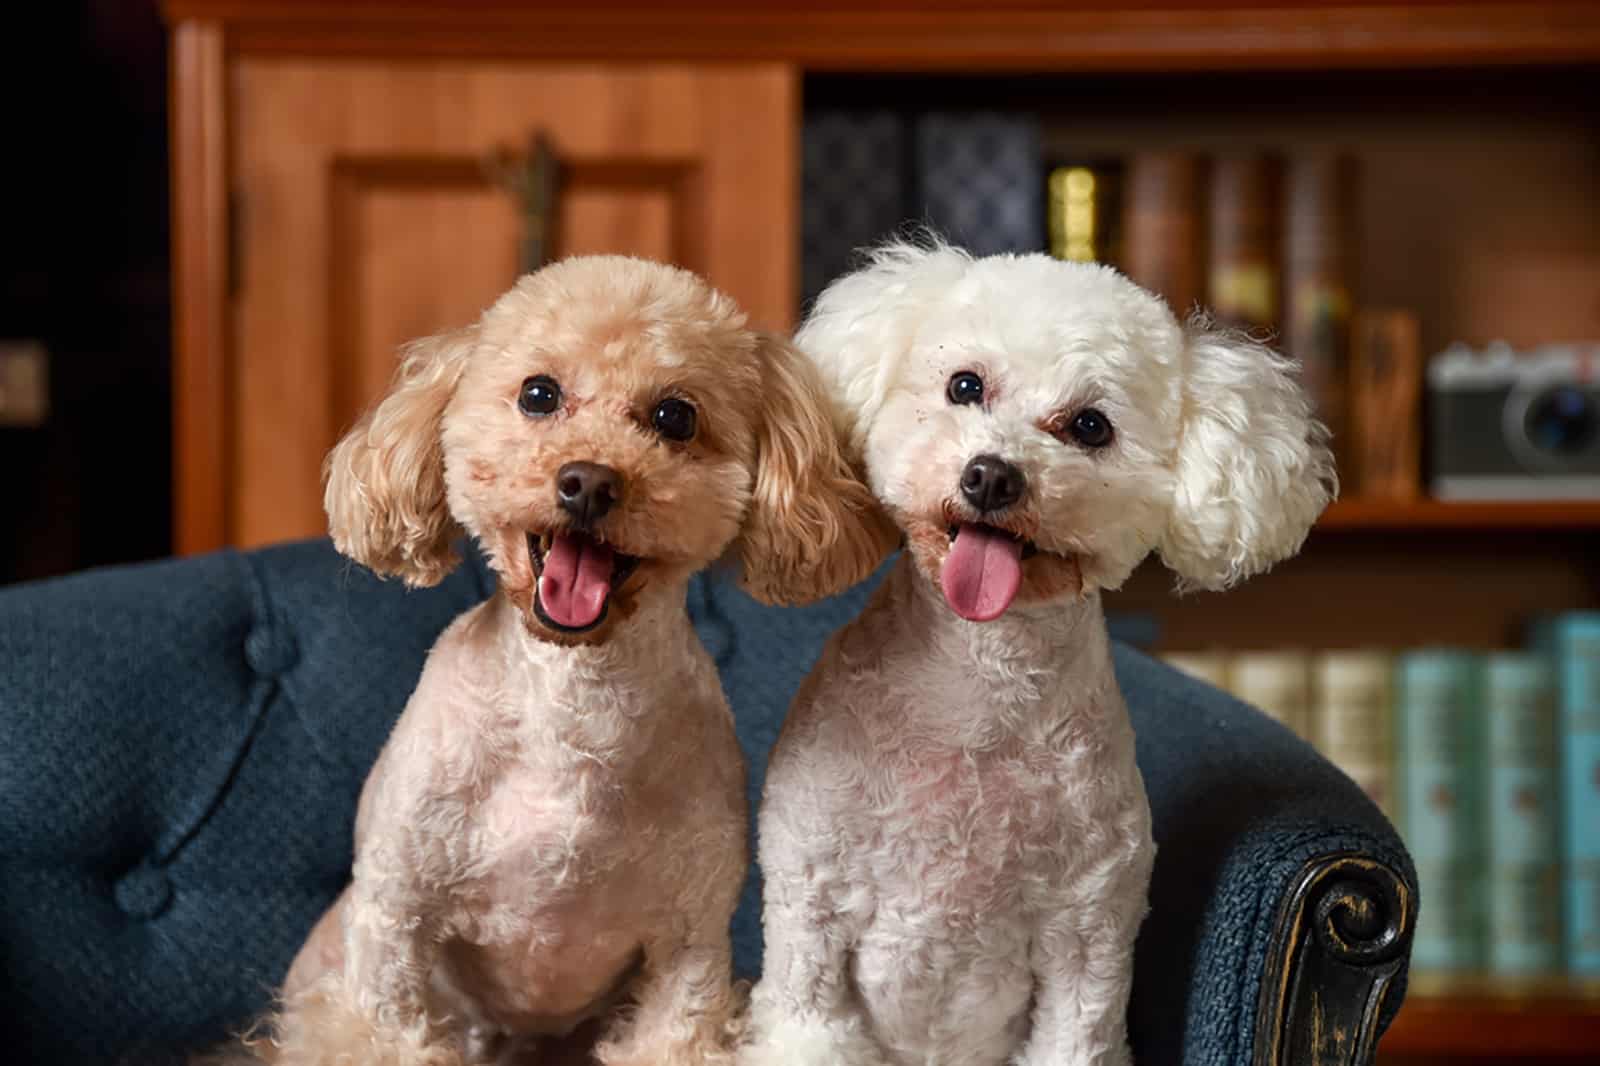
[
  {"x": 1574, "y": 639},
  {"x": 1523, "y": 798},
  {"x": 1439, "y": 744}
]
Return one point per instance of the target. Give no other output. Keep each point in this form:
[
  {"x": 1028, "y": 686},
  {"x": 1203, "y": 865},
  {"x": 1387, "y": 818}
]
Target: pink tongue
[
  {"x": 982, "y": 573},
  {"x": 576, "y": 581}
]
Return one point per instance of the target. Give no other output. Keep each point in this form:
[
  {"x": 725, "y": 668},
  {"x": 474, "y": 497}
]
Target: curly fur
[
  {"x": 554, "y": 835},
  {"x": 955, "y": 839},
  {"x": 814, "y": 525}
]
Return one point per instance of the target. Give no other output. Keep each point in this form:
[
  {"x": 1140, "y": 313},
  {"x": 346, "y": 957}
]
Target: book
[
  {"x": 1162, "y": 236},
  {"x": 1351, "y": 719},
  {"x": 1574, "y": 640},
  {"x": 1082, "y": 210},
  {"x": 1439, "y": 740},
  {"x": 1243, "y": 265},
  {"x": 1210, "y": 667},
  {"x": 1319, "y": 239},
  {"x": 1384, "y": 456},
  {"x": 1523, "y": 814},
  {"x": 1277, "y": 682}
]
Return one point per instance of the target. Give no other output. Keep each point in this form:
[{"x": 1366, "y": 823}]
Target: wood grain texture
[
  {"x": 1381, "y": 587},
  {"x": 904, "y": 35},
  {"x": 1360, "y": 514},
  {"x": 1488, "y": 1028},
  {"x": 368, "y": 217},
  {"x": 200, "y": 287}
]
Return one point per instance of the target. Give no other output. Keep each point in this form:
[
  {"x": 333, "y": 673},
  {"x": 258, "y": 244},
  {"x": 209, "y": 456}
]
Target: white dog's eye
[
  {"x": 1090, "y": 428},
  {"x": 965, "y": 387},
  {"x": 540, "y": 395}
]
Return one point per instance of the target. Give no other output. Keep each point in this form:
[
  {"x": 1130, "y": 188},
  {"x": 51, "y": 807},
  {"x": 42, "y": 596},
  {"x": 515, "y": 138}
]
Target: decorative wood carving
[{"x": 1343, "y": 933}]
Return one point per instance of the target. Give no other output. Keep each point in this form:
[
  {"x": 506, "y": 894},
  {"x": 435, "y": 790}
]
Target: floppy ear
[
  {"x": 385, "y": 493},
  {"x": 1253, "y": 467},
  {"x": 813, "y": 528}
]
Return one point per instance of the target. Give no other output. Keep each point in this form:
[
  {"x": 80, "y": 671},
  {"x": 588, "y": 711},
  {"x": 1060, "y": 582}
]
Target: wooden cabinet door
[{"x": 364, "y": 215}]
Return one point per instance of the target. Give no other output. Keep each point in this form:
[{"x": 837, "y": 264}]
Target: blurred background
[
  {"x": 85, "y": 290},
  {"x": 1404, "y": 197}
]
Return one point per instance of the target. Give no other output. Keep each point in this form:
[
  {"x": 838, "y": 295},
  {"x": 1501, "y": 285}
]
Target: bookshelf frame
[
  {"x": 955, "y": 36},
  {"x": 1489, "y": 1027},
  {"x": 1436, "y": 516}
]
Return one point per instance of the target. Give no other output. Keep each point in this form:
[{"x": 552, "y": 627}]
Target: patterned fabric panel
[
  {"x": 981, "y": 180},
  {"x": 853, "y": 182}
]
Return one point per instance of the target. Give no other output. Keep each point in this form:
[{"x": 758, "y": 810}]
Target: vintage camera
[{"x": 1505, "y": 425}]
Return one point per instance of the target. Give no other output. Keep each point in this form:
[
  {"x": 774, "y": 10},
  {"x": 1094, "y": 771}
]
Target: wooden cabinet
[
  {"x": 364, "y": 214},
  {"x": 361, "y": 211}
]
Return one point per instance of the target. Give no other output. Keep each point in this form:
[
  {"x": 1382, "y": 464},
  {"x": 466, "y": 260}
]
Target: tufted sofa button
[
  {"x": 143, "y": 892},
  {"x": 270, "y": 650}
]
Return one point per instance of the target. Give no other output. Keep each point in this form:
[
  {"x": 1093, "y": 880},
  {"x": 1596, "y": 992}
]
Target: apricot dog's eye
[
  {"x": 965, "y": 387},
  {"x": 1090, "y": 428},
  {"x": 540, "y": 395},
  {"x": 674, "y": 419}
]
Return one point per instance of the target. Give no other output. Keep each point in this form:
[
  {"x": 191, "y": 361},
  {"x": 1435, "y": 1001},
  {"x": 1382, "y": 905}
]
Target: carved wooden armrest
[{"x": 1341, "y": 937}]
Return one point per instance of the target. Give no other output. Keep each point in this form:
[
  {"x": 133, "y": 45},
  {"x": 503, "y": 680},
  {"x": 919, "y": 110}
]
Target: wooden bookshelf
[
  {"x": 1430, "y": 516},
  {"x": 1484, "y": 1026}
]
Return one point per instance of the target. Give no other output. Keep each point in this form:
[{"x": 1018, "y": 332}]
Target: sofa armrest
[
  {"x": 1282, "y": 903},
  {"x": 1341, "y": 941}
]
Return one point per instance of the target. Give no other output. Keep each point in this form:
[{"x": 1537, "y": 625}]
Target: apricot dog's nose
[
  {"x": 587, "y": 491},
  {"x": 991, "y": 484}
]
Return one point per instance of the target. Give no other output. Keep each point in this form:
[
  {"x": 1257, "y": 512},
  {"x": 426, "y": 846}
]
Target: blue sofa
[{"x": 182, "y": 745}]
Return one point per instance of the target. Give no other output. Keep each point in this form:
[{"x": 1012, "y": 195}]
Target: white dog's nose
[{"x": 990, "y": 483}]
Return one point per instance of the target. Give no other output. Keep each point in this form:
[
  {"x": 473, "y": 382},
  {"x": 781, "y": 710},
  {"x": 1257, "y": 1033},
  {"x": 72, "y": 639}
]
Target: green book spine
[
  {"x": 1523, "y": 796},
  {"x": 1439, "y": 734}
]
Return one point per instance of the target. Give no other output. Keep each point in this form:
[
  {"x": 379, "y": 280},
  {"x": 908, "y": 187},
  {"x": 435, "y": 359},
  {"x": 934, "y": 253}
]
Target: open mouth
[
  {"x": 1029, "y": 548},
  {"x": 983, "y": 571},
  {"x": 574, "y": 577}
]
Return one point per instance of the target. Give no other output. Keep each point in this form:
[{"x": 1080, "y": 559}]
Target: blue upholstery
[{"x": 182, "y": 745}]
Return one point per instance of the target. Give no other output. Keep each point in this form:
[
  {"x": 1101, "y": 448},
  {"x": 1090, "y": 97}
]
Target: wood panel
[
  {"x": 199, "y": 286},
  {"x": 390, "y": 222},
  {"x": 1488, "y": 1028},
  {"x": 1441, "y": 515},
  {"x": 394, "y": 221},
  {"x": 367, "y": 216},
  {"x": 964, "y": 35},
  {"x": 1394, "y": 589}
]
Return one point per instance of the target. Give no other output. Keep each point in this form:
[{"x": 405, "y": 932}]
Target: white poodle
[
  {"x": 556, "y": 827},
  {"x": 955, "y": 837}
]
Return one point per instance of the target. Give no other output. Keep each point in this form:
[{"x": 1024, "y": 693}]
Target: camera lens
[{"x": 1562, "y": 420}]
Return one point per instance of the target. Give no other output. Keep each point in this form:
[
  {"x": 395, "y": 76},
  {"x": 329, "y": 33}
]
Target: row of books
[
  {"x": 1489, "y": 765},
  {"x": 1266, "y": 240},
  {"x": 1267, "y": 243}
]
